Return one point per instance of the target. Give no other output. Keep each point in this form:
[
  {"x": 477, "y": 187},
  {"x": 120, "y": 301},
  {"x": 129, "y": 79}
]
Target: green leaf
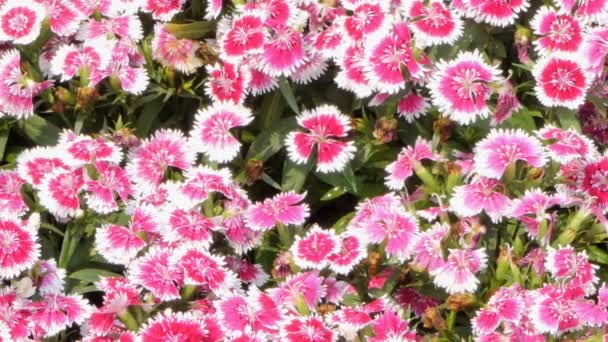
[
  {"x": 271, "y": 141},
  {"x": 288, "y": 95},
  {"x": 268, "y": 180},
  {"x": 148, "y": 115},
  {"x": 597, "y": 254},
  {"x": 523, "y": 118},
  {"x": 193, "y": 30},
  {"x": 351, "y": 180},
  {"x": 271, "y": 110},
  {"x": 567, "y": 118},
  {"x": 92, "y": 274},
  {"x": 4, "y": 133},
  {"x": 39, "y": 130},
  {"x": 333, "y": 193},
  {"x": 294, "y": 175},
  {"x": 343, "y": 222}
]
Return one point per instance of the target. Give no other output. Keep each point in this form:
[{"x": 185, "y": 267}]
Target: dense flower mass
[{"x": 306, "y": 171}]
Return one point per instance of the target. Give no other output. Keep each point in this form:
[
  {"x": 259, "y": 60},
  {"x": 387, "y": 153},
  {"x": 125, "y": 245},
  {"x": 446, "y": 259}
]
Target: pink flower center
[
  {"x": 599, "y": 180},
  {"x": 467, "y": 83},
  {"x": 561, "y": 31},
  {"x": 18, "y": 21},
  {"x": 562, "y": 79}
]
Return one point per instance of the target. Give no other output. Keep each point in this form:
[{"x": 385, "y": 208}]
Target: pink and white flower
[
  {"x": 352, "y": 75},
  {"x": 20, "y": 23},
  {"x": 284, "y": 208},
  {"x": 350, "y": 251},
  {"x": 557, "y": 32},
  {"x": 34, "y": 164},
  {"x": 313, "y": 249},
  {"x": 395, "y": 226},
  {"x": 227, "y": 83},
  {"x": 306, "y": 329},
  {"x": 163, "y": 10},
  {"x": 553, "y": 310},
  {"x": 561, "y": 80},
  {"x": 52, "y": 278},
  {"x": 261, "y": 83},
  {"x": 174, "y": 326},
  {"x": 313, "y": 69},
  {"x": 255, "y": 312},
  {"x": 592, "y": 180},
  {"x": 282, "y": 52},
  {"x": 158, "y": 273},
  {"x": 211, "y": 133},
  {"x": 59, "y": 192},
  {"x": 11, "y": 200},
  {"x": 20, "y": 250},
  {"x": 187, "y": 226},
  {"x": 202, "y": 268},
  {"x": 461, "y": 87},
  {"x": 367, "y": 17},
  {"x": 91, "y": 58},
  {"x": 412, "y": 106},
  {"x": 434, "y": 23},
  {"x": 180, "y": 54},
  {"x": 112, "y": 182},
  {"x": 427, "y": 248},
  {"x": 531, "y": 210},
  {"x": 568, "y": 265},
  {"x": 391, "y": 327},
  {"x": 118, "y": 244},
  {"x": 407, "y": 161},
  {"x": 482, "y": 194},
  {"x": 245, "y": 36},
  {"x": 126, "y": 27},
  {"x": 457, "y": 274},
  {"x": 17, "y": 90},
  {"x": 502, "y": 148},
  {"x": 595, "y": 49},
  {"x": 497, "y": 13},
  {"x": 306, "y": 287},
  {"x": 566, "y": 145},
  {"x": 86, "y": 150},
  {"x": 199, "y": 182},
  {"x": 55, "y": 312},
  {"x": 590, "y": 9},
  {"x": 506, "y": 305},
  {"x": 324, "y": 124}
]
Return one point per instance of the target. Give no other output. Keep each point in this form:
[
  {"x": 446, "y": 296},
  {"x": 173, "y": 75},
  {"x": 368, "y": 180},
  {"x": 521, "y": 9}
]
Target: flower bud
[
  {"x": 444, "y": 127},
  {"x": 460, "y": 302},
  {"x": 385, "y": 129},
  {"x": 431, "y": 318},
  {"x": 86, "y": 96},
  {"x": 254, "y": 170}
]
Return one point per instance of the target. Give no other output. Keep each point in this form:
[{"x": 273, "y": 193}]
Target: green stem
[
  {"x": 429, "y": 181},
  {"x": 451, "y": 320},
  {"x": 284, "y": 235},
  {"x": 510, "y": 173},
  {"x": 188, "y": 292},
  {"x": 128, "y": 320}
]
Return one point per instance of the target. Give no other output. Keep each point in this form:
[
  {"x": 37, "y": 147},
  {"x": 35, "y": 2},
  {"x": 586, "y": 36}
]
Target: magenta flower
[
  {"x": 211, "y": 133},
  {"x": 412, "y": 106},
  {"x": 261, "y": 83},
  {"x": 395, "y": 226},
  {"x": 557, "y": 32},
  {"x": 305, "y": 286},
  {"x": 391, "y": 327},
  {"x": 118, "y": 244},
  {"x": 254, "y": 312},
  {"x": 457, "y": 274},
  {"x": 282, "y": 208},
  {"x": 283, "y": 51},
  {"x": 324, "y": 124},
  {"x": 11, "y": 200},
  {"x": 368, "y": 17},
  {"x": 149, "y": 161},
  {"x": 567, "y": 145},
  {"x": 427, "y": 250},
  {"x": 591, "y": 180},
  {"x": 351, "y": 250},
  {"x": 531, "y": 210},
  {"x": 352, "y": 75},
  {"x": 91, "y": 58},
  {"x": 306, "y": 329},
  {"x": 595, "y": 49},
  {"x": 55, "y": 312},
  {"x": 86, "y": 150},
  {"x": 187, "y": 226},
  {"x": 461, "y": 87},
  {"x": 568, "y": 265},
  {"x": 246, "y": 35},
  {"x": 60, "y": 190},
  {"x": 408, "y": 159},
  {"x": 162, "y": 10},
  {"x": 506, "y": 305},
  {"x": 199, "y": 182},
  {"x": 496, "y": 13},
  {"x": 500, "y": 148},
  {"x": 313, "y": 69},
  {"x": 112, "y": 182},
  {"x": 126, "y": 26},
  {"x": 170, "y": 51},
  {"x": 227, "y": 83},
  {"x": 202, "y": 268},
  {"x": 20, "y": 248},
  {"x": 585, "y": 8},
  {"x": 313, "y": 249},
  {"x": 157, "y": 273},
  {"x": 481, "y": 194},
  {"x": 17, "y": 90},
  {"x": 34, "y": 164},
  {"x": 176, "y": 326},
  {"x": 561, "y": 80},
  {"x": 553, "y": 310},
  {"x": 20, "y": 23},
  {"x": 434, "y": 23}
]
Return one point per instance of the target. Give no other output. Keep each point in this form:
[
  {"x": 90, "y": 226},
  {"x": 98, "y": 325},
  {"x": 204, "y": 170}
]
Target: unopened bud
[
  {"x": 385, "y": 129},
  {"x": 254, "y": 170},
  {"x": 460, "y": 302},
  {"x": 431, "y": 318}
]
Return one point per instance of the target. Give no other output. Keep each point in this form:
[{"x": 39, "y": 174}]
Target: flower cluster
[{"x": 359, "y": 170}]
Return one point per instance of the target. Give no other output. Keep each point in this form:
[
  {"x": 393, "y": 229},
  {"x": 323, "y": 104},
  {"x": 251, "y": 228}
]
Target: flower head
[
  {"x": 561, "y": 80},
  {"x": 283, "y": 208},
  {"x": 177, "y": 326},
  {"x": 457, "y": 274},
  {"x": 313, "y": 249},
  {"x": 20, "y": 250},
  {"x": 173, "y": 52},
  {"x": 20, "y": 22},
  {"x": 558, "y": 32},
  {"x": 435, "y": 23},
  {"x": 402, "y": 168},
  {"x": 482, "y": 194},
  {"x": 566, "y": 145}
]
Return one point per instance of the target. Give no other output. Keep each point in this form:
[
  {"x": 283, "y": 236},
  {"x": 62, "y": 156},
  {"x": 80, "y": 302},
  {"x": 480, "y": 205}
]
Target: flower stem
[
  {"x": 284, "y": 235},
  {"x": 128, "y": 320}
]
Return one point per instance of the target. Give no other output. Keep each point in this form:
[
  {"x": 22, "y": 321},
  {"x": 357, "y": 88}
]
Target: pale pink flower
[
  {"x": 149, "y": 161},
  {"x": 118, "y": 244},
  {"x": 412, "y": 106},
  {"x": 127, "y": 26},
  {"x": 305, "y": 286},
  {"x": 461, "y": 87},
  {"x": 60, "y": 190},
  {"x": 211, "y": 133},
  {"x": 11, "y": 200},
  {"x": 284, "y": 208},
  {"x": 90, "y": 58},
  {"x": 52, "y": 278},
  {"x": 20, "y": 249},
  {"x": 88, "y": 7},
  {"x": 246, "y": 35},
  {"x": 407, "y": 161},
  {"x": 351, "y": 250},
  {"x": 568, "y": 265},
  {"x": 434, "y": 23},
  {"x": 112, "y": 183},
  {"x": 553, "y": 310},
  {"x": 497, "y": 13},
  {"x": 506, "y": 305},
  {"x": 482, "y": 194},
  {"x": 591, "y": 313},
  {"x": 283, "y": 51},
  {"x": 85, "y": 150},
  {"x": 187, "y": 226},
  {"x": 457, "y": 274},
  {"x": 174, "y": 326},
  {"x": 20, "y": 22},
  {"x": 55, "y": 312},
  {"x": 427, "y": 250},
  {"x": 202, "y": 268},
  {"x": 391, "y": 327},
  {"x": 595, "y": 49},
  {"x": 531, "y": 210},
  {"x": 255, "y": 312},
  {"x": 163, "y": 10},
  {"x": 312, "y": 250},
  {"x": 325, "y": 124},
  {"x": 389, "y": 51},
  {"x": 566, "y": 145},
  {"x": 352, "y": 75},
  {"x": 34, "y": 164},
  {"x": 501, "y": 148},
  {"x": 157, "y": 273},
  {"x": 394, "y": 226},
  {"x": 199, "y": 182},
  {"x": 17, "y": 89},
  {"x": 367, "y": 17},
  {"x": 306, "y": 329},
  {"x": 227, "y": 83},
  {"x": 561, "y": 80},
  {"x": 557, "y": 32},
  {"x": 584, "y": 8},
  {"x": 170, "y": 51}
]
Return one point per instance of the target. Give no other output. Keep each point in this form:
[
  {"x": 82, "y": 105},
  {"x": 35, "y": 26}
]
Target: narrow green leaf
[
  {"x": 92, "y": 274},
  {"x": 597, "y": 254},
  {"x": 567, "y": 118},
  {"x": 271, "y": 110},
  {"x": 271, "y": 141},
  {"x": 294, "y": 175},
  {"x": 193, "y": 30},
  {"x": 351, "y": 179},
  {"x": 333, "y": 193},
  {"x": 4, "y": 133},
  {"x": 288, "y": 95},
  {"x": 39, "y": 130},
  {"x": 268, "y": 180},
  {"x": 148, "y": 115},
  {"x": 343, "y": 222}
]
